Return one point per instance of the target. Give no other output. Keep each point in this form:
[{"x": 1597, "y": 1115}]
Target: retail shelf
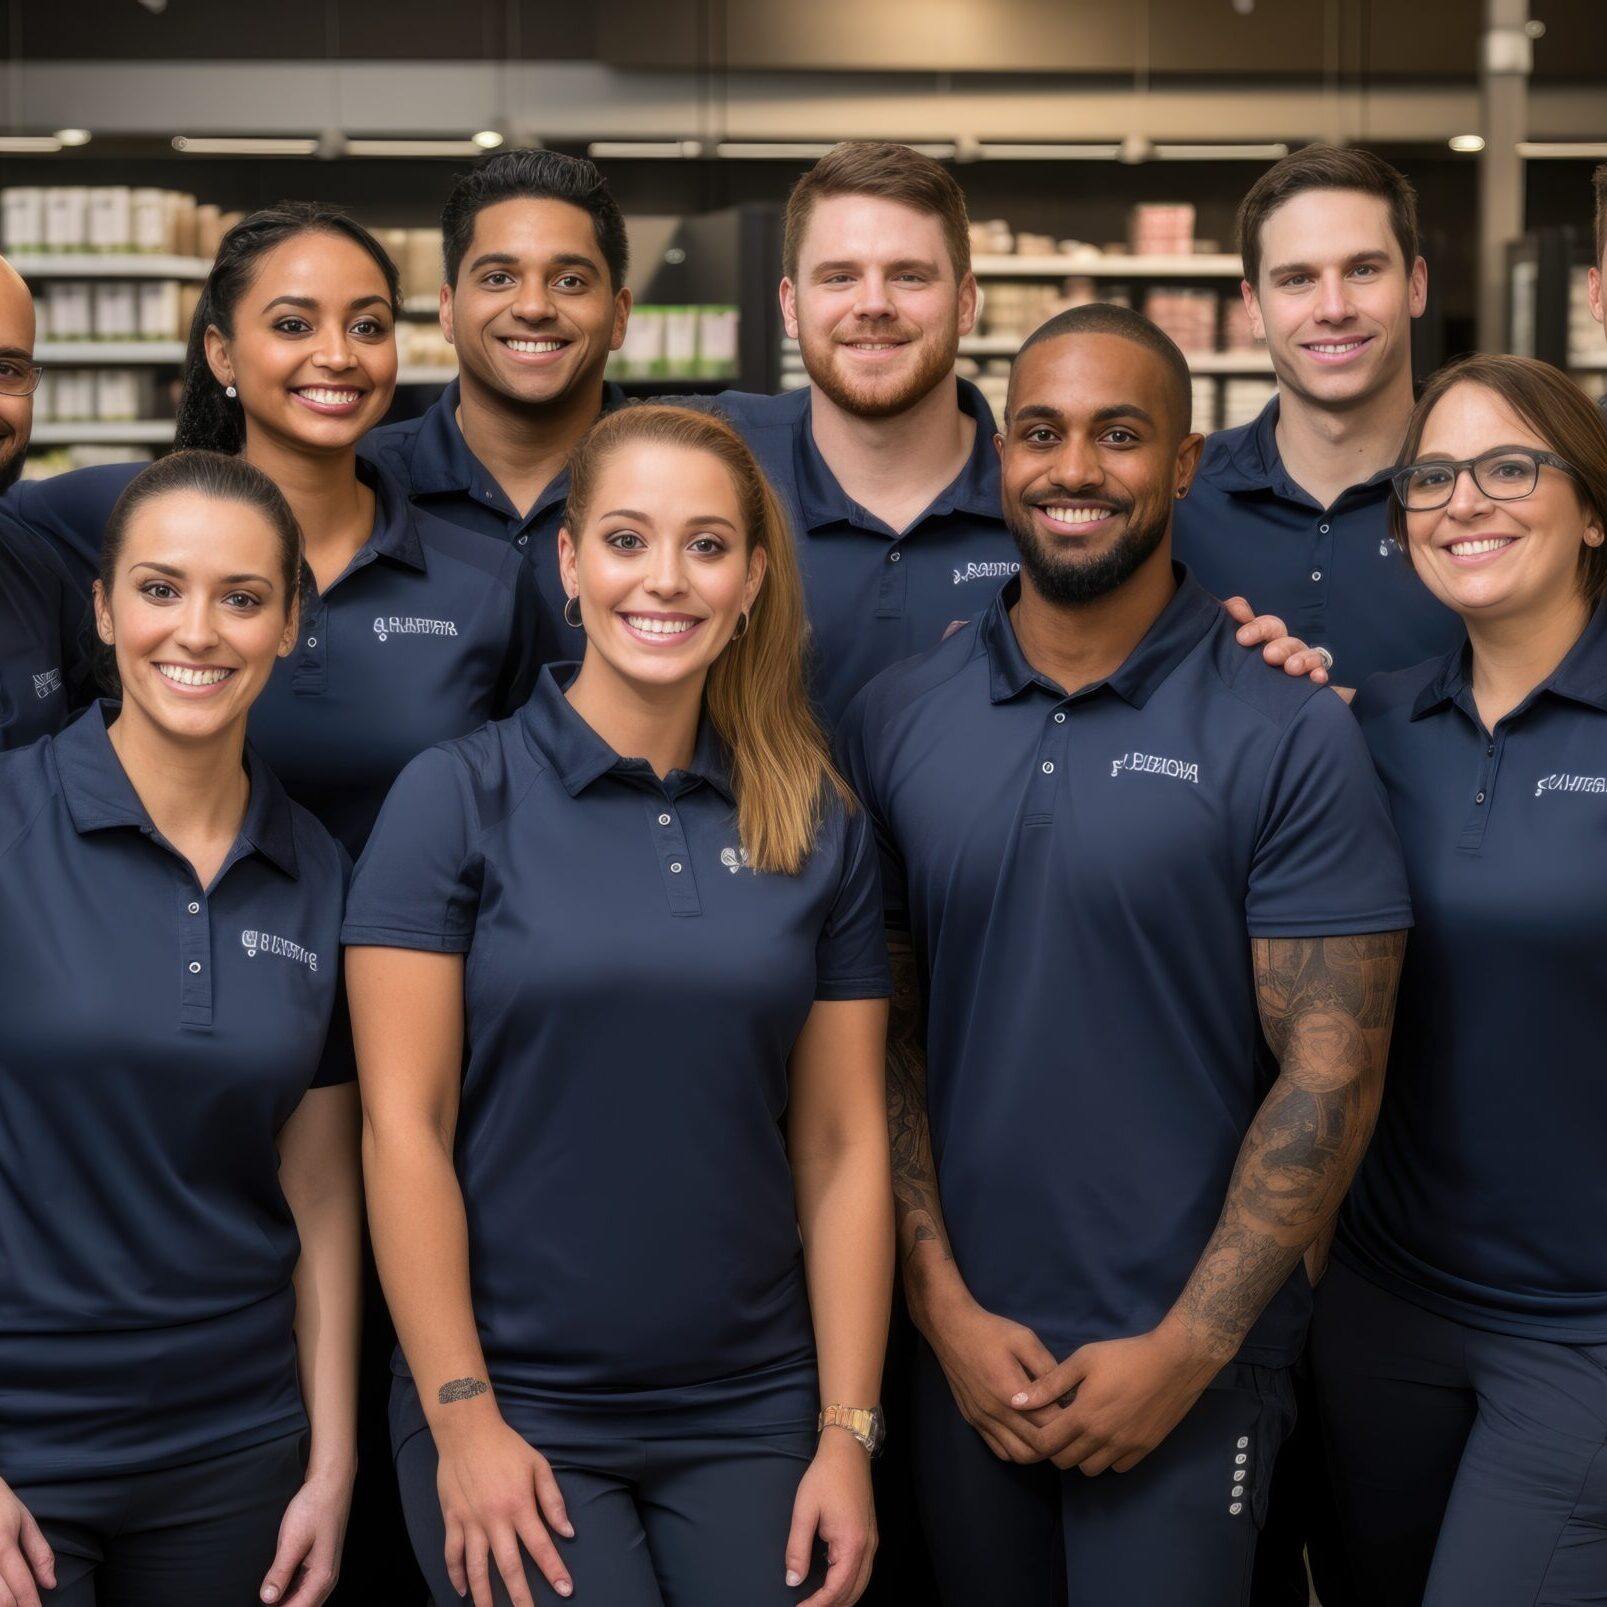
[
  {"x": 1589, "y": 365},
  {"x": 108, "y": 265},
  {"x": 1257, "y": 362},
  {"x": 422, "y": 306},
  {"x": 1094, "y": 266},
  {"x": 98, "y": 432},
  {"x": 112, "y": 352},
  {"x": 426, "y": 373}
]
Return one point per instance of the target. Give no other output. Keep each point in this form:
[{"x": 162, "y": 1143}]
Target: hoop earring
[
  {"x": 575, "y": 623},
  {"x": 230, "y": 392},
  {"x": 737, "y": 635}
]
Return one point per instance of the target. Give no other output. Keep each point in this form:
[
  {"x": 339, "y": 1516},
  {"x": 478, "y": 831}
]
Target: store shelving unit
[
  {"x": 109, "y": 265},
  {"x": 113, "y": 353},
  {"x": 1108, "y": 265},
  {"x": 104, "y": 432}
]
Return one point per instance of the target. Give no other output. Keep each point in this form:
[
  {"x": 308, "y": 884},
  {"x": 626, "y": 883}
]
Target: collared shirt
[
  {"x": 875, "y": 595},
  {"x": 155, "y": 1036},
  {"x": 1484, "y": 1193},
  {"x": 430, "y": 458},
  {"x": 430, "y": 631},
  {"x": 1081, "y": 878},
  {"x": 43, "y": 620},
  {"x": 1333, "y": 575},
  {"x": 632, "y": 995}
]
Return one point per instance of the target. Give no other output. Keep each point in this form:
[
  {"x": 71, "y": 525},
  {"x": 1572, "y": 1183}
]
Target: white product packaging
[
  {"x": 116, "y": 310},
  {"x": 66, "y": 218},
  {"x": 22, "y": 218},
  {"x": 111, "y": 218}
]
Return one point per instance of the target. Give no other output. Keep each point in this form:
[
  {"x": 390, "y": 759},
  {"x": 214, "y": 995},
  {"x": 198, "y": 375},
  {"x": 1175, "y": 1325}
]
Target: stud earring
[{"x": 230, "y": 392}]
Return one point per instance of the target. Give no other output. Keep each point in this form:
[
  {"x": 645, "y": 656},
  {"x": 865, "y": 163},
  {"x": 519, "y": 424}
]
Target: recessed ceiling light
[
  {"x": 73, "y": 136},
  {"x": 488, "y": 139},
  {"x": 1467, "y": 142}
]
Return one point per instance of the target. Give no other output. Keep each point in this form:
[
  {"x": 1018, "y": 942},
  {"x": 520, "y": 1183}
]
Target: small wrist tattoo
[{"x": 462, "y": 1389}]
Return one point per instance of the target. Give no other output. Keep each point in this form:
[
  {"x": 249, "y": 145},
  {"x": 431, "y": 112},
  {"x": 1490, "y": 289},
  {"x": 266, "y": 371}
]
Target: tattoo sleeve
[
  {"x": 1327, "y": 1005},
  {"x": 462, "y": 1389},
  {"x": 918, "y": 1214}
]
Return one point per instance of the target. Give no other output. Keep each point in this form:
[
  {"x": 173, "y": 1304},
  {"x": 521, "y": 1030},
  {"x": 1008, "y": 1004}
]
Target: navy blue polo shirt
[
  {"x": 155, "y": 1037},
  {"x": 1081, "y": 878},
  {"x": 431, "y": 631},
  {"x": 1484, "y": 1195},
  {"x": 875, "y": 595},
  {"x": 632, "y": 994},
  {"x": 43, "y": 619},
  {"x": 430, "y": 458},
  {"x": 1333, "y": 575}
]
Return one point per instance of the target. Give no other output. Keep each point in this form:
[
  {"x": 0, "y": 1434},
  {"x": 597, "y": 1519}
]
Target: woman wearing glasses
[{"x": 1460, "y": 1340}]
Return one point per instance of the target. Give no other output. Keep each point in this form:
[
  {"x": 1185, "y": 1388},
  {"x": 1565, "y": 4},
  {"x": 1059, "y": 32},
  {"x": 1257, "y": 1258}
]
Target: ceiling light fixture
[
  {"x": 1468, "y": 144},
  {"x": 413, "y": 147},
  {"x": 1221, "y": 153},
  {"x": 28, "y": 144},
  {"x": 73, "y": 136},
  {"x": 488, "y": 139},
  {"x": 1546, "y": 150},
  {"x": 996, "y": 151},
  {"x": 191, "y": 145},
  {"x": 644, "y": 149}
]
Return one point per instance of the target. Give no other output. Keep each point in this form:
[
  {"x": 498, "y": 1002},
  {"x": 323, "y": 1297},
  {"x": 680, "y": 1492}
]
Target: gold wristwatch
[{"x": 865, "y": 1423}]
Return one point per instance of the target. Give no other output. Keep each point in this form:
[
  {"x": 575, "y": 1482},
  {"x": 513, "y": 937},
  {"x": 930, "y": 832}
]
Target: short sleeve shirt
[
  {"x": 430, "y": 631},
  {"x": 1081, "y": 878},
  {"x": 43, "y": 619},
  {"x": 434, "y": 465},
  {"x": 633, "y": 990},
  {"x": 876, "y": 595},
  {"x": 1484, "y": 1192},
  {"x": 1333, "y": 575},
  {"x": 155, "y": 1035}
]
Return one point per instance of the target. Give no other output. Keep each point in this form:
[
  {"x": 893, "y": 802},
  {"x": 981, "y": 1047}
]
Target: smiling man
[
  {"x": 534, "y": 300},
  {"x": 885, "y": 462},
  {"x": 1291, "y": 510},
  {"x": 1107, "y": 828}
]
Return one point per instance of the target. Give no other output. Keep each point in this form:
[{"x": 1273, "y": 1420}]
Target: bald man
[{"x": 42, "y": 617}]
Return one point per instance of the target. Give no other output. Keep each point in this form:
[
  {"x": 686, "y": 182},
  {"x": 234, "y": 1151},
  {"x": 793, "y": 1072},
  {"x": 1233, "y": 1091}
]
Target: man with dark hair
[
  {"x": 1290, "y": 509},
  {"x": 885, "y": 461},
  {"x": 1598, "y": 271},
  {"x": 534, "y": 300},
  {"x": 1106, "y": 829}
]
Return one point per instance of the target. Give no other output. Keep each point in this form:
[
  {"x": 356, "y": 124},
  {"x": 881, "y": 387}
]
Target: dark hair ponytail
[{"x": 208, "y": 419}]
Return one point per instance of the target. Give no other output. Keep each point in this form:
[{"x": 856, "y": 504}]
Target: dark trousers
[
  {"x": 672, "y": 1522},
  {"x": 1470, "y": 1467},
  {"x": 1179, "y": 1530},
  {"x": 202, "y": 1535}
]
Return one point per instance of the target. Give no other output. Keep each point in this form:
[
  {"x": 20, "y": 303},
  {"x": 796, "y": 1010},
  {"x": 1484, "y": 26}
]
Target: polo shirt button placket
[
  {"x": 674, "y": 858},
  {"x": 312, "y": 660},
  {"x": 1044, "y": 784},
  {"x": 195, "y": 956},
  {"x": 890, "y": 594}
]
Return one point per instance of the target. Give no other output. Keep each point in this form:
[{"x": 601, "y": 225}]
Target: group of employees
[{"x": 562, "y": 905}]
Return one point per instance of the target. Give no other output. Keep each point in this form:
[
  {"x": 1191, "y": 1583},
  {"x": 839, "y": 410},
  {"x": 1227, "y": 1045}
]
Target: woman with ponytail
[{"x": 618, "y": 985}]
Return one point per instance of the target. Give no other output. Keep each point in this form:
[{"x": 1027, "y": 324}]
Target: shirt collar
[
  {"x": 442, "y": 460},
  {"x": 1184, "y": 620},
  {"x": 100, "y": 797},
  {"x": 580, "y": 756},
  {"x": 1251, "y": 462},
  {"x": 395, "y": 534},
  {"x": 974, "y": 490},
  {"x": 1580, "y": 678}
]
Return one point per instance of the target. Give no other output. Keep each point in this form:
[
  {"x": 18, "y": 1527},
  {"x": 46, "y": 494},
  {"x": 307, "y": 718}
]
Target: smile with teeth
[
  {"x": 659, "y": 627},
  {"x": 327, "y": 396},
  {"x": 533, "y": 348},
  {"x": 1337, "y": 348},
  {"x": 1472, "y": 549},
  {"x": 1064, "y": 515},
  {"x": 184, "y": 675}
]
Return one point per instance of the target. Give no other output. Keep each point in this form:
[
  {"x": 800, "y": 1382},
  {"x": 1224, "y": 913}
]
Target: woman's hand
[
  {"x": 27, "y": 1564},
  {"x": 1278, "y": 647},
  {"x": 311, "y": 1533},
  {"x": 834, "y": 1501},
  {"x": 495, "y": 1491}
]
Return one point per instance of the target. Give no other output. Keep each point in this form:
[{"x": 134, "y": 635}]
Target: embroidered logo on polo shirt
[
  {"x": 409, "y": 625},
  {"x": 734, "y": 859},
  {"x": 1152, "y": 764},
  {"x": 44, "y": 685},
  {"x": 1570, "y": 784},
  {"x": 255, "y": 943},
  {"x": 999, "y": 570}
]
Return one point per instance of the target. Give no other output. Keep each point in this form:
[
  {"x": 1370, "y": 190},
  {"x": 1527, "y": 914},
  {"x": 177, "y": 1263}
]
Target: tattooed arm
[
  {"x": 1327, "y": 1004},
  {"x": 986, "y": 1358}
]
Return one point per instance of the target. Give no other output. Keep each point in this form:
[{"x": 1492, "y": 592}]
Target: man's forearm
[{"x": 1326, "y": 1006}]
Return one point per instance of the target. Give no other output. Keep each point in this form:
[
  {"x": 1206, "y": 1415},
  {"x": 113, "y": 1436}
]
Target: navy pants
[
  {"x": 1470, "y": 1467},
  {"x": 202, "y": 1535},
  {"x": 661, "y": 1522},
  {"x": 1179, "y": 1528}
]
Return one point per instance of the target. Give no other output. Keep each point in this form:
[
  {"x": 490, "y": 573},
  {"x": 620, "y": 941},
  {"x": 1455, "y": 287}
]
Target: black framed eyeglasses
[
  {"x": 1503, "y": 474},
  {"x": 18, "y": 378}
]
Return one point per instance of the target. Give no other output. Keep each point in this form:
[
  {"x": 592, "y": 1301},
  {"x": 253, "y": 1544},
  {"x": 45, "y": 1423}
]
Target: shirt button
[
  {"x": 1060, "y": 717},
  {"x": 894, "y": 556},
  {"x": 663, "y": 820},
  {"x": 1316, "y": 574},
  {"x": 195, "y": 909},
  {"x": 523, "y": 541},
  {"x": 195, "y": 968},
  {"x": 675, "y": 867},
  {"x": 1478, "y": 797},
  {"x": 1241, "y": 1459},
  {"x": 312, "y": 641},
  {"x": 1244, "y": 1442},
  {"x": 1323, "y": 529},
  {"x": 1489, "y": 752},
  {"x": 1048, "y": 767}
]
